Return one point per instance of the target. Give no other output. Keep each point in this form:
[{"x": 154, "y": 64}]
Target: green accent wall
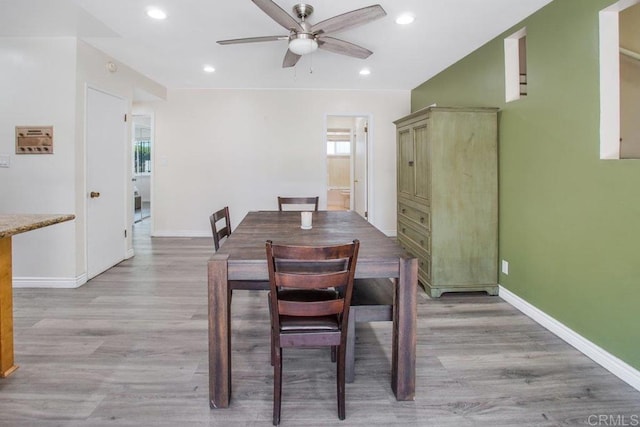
[{"x": 569, "y": 222}]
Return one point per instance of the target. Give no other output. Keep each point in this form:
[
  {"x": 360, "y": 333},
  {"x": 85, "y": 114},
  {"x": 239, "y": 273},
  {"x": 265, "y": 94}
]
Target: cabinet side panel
[{"x": 464, "y": 198}]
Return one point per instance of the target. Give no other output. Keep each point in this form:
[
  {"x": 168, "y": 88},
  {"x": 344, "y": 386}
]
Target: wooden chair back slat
[
  {"x": 298, "y": 201},
  {"x": 312, "y": 281},
  {"x": 313, "y": 308}
]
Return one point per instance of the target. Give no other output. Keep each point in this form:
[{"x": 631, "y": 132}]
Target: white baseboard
[
  {"x": 611, "y": 363},
  {"x": 130, "y": 253},
  {"x": 390, "y": 233},
  {"x": 50, "y": 282}
]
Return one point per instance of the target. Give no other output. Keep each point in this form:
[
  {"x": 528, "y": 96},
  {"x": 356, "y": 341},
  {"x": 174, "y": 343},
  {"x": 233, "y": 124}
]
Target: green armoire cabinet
[{"x": 448, "y": 197}]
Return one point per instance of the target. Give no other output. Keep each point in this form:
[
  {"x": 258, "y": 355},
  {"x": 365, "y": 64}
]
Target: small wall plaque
[{"x": 34, "y": 139}]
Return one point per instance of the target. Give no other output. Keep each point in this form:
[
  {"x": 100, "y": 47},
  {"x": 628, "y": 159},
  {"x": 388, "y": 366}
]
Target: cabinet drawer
[
  {"x": 420, "y": 217},
  {"x": 420, "y": 238},
  {"x": 424, "y": 259},
  {"x": 424, "y": 270}
]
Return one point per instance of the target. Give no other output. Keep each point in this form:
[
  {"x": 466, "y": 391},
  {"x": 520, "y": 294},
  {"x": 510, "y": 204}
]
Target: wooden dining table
[{"x": 241, "y": 261}]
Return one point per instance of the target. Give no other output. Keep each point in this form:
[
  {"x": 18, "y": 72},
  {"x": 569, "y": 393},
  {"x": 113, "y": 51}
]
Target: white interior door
[
  {"x": 106, "y": 184},
  {"x": 359, "y": 190}
]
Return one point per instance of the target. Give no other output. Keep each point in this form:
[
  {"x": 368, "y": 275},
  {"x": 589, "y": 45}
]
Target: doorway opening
[
  {"x": 141, "y": 155},
  {"x": 347, "y": 149}
]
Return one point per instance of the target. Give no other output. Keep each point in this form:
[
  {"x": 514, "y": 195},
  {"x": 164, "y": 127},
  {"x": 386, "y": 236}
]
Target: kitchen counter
[{"x": 11, "y": 224}]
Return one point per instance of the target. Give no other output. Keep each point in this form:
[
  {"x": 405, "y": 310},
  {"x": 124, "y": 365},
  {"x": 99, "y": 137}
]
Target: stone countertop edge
[{"x": 11, "y": 224}]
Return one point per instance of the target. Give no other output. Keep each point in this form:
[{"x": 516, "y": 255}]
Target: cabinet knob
[
  {"x": 94, "y": 194},
  {"x": 421, "y": 242},
  {"x": 404, "y": 210},
  {"x": 404, "y": 229},
  {"x": 422, "y": 219},
  {"x": 411, "y": 163}
]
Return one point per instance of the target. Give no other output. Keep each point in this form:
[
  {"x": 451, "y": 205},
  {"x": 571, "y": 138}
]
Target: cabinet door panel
[
  {"x": 422, "y": 164},
  {"x": 406, "y": 183}
]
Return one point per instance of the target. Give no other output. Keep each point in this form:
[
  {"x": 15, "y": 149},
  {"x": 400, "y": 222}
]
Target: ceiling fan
[{"x": 305, "y": 38}]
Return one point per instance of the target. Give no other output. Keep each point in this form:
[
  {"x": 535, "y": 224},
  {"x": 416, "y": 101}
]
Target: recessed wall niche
[
  {"x": 515, "y": 65},
  {"x": 620, "y": 80}
]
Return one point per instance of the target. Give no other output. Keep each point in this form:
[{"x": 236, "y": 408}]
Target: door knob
[{"x": 94, "y": 194}]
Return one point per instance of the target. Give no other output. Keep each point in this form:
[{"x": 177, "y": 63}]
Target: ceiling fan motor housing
[{"x": 303, "y": 10}]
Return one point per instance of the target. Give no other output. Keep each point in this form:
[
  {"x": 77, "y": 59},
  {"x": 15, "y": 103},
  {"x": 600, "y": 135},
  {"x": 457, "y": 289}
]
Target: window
[
  {"x": 338, "y": 142},
  {"x": 515, "y": 65},
  {"x": 141, "y": 149},
  {"x": 141, "y": 157}
]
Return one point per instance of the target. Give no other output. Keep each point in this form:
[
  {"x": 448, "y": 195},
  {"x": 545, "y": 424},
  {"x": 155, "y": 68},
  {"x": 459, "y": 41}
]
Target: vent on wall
[{"x": 34, "y": 139}]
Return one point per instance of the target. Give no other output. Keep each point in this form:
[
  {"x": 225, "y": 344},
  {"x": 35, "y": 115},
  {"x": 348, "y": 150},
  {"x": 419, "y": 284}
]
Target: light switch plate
[{"x": 5, "y": 161}]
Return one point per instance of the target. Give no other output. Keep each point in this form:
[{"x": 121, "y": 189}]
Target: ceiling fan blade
[
  {"x": 253, "y": 40},
  {"x": 278, "y": 14},
  {"x": 343, "y": 48},
  {"x": 349, "y": 20},
  {"x": 290, "y": 59}
]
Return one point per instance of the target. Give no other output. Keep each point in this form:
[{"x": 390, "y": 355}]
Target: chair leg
[
  {"x": 350, "y": 351},
  {"x": 277, "y": 386},
  {"x": 273, "y": 351},
  {"x": 340, "y": 383}
]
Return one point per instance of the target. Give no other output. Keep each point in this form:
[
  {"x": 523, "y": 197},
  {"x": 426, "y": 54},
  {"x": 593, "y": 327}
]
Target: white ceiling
[{"x": 173, "y": 52}]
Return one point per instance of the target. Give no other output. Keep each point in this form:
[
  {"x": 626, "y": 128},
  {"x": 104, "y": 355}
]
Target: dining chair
[
  {"x": 298, "y": 201},
  {"x": 223, "y": 231},
  {"x": 309, "y": 300}
]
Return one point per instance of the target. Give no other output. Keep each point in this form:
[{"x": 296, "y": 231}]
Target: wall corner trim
[{"x": 603, "y": 358}]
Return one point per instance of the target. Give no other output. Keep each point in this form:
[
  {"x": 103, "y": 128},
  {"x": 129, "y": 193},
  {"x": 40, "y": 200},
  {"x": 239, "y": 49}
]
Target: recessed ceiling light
[
  {"x": 156, "y": 13},
  {"x": 208, "y": 69},
  {"x": 405, "y": 19},
  {"x": 365, "y": 72}
]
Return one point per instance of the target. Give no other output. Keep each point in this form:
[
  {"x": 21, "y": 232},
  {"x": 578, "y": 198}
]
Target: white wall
[
  {"x": 43, "y": 83},
  {"x": 37, "y": 87},
  {"x": 243, "y": 148}
]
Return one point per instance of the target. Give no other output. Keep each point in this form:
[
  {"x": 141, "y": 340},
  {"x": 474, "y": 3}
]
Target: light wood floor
[{"x": 129, "y": 348}]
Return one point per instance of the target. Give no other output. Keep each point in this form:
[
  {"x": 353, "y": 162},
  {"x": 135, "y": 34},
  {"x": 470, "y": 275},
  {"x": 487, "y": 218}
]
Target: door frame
[
  {"x": 125, "y": 182},
  {"x": 369, "y": 159}
]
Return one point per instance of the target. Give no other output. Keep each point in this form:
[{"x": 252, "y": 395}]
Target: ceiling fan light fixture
[{"x": 303, "y": 45}]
